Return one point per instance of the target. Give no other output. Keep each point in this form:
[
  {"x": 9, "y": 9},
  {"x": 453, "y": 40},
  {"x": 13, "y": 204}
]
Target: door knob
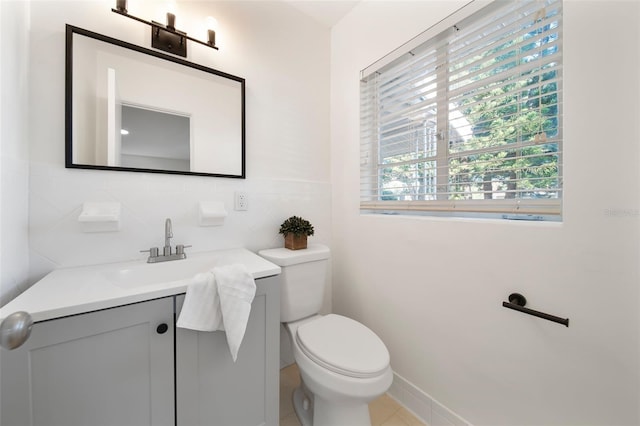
[
  {"x": 15, "y": 330},
  {"x": 162, "y": 328}
]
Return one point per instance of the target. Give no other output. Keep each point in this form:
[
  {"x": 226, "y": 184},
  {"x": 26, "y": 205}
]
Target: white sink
[
  {"x": 70, "y": 291},
  {"x": 143, "y": 274}
]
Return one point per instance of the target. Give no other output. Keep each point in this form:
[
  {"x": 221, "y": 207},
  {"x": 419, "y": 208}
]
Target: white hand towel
[
  {"x": 236, "y": 289},
  {"x": 201, "y": 307},
  {"x": 220, "y": 300}
]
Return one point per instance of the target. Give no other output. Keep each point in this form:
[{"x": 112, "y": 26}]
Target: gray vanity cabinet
[
  {"x": 212, "y": 389},
  {"x": 110, "y": 367},
  {"x": 130, "y": 366}
]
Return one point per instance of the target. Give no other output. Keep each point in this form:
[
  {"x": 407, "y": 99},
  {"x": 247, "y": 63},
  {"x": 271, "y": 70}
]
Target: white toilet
[{"x": 343, "y": 365}]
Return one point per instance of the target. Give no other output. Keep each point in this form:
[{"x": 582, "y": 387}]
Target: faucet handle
[
  {"x": 153, "y": 251},
  {"x": 180, "y": 248}
]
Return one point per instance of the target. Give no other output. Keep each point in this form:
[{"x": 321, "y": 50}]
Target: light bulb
[
  {"x": 211, "y": 22},
  {"x": 171, "y": 7}
]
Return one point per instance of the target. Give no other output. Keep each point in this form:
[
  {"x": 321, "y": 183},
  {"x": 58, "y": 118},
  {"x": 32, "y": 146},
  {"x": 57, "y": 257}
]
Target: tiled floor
[{"x": 385, "y": 411}]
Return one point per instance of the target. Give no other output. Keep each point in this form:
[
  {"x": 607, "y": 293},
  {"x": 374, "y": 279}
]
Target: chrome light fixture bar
[{"x": 167, "y": 37}]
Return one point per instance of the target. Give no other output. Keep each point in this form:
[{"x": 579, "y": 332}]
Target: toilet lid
[{"x": 344, "y": 346}]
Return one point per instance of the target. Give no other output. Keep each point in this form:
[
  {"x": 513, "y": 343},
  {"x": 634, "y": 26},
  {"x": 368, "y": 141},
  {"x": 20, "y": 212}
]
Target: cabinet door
[
  {"x": 109, "y": 367},
  {"x": 212, "y": 389}
]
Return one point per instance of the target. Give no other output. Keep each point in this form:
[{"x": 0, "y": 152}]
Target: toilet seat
[{"x": 344, "y": 346}]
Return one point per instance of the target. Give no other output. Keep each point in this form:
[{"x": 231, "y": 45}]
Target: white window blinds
[{"x": 470, "y": 120}]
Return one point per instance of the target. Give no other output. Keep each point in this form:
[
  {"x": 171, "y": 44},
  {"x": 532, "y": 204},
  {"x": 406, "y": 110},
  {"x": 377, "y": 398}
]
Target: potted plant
[{"x": 295, "y": 231}]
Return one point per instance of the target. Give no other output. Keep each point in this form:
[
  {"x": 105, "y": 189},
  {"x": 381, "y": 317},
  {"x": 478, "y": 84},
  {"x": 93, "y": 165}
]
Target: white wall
[
  {"x": 284, "y": 57},
  {"x": 14, "y": 151},
  {"x": 432, "y": 288}
]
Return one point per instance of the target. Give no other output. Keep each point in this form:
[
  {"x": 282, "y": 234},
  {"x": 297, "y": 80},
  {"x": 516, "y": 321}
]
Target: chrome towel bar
[{"x": 517, "y": 303}]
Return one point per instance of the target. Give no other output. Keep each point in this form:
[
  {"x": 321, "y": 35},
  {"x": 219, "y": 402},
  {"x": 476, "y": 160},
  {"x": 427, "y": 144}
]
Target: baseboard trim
[{"x": 422, "y": 405}]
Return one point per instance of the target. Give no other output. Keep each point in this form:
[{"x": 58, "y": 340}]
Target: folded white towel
[
  {"x": 236, "y": 289},
  {"x": 201, "y": 308},
  {"x": 220, "y": 300}
]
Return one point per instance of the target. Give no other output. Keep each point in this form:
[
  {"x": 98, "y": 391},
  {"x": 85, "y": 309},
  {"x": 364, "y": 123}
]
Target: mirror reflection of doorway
[
  {"x": 211, "y": 100},
  {"x": 153, "y": 139}
]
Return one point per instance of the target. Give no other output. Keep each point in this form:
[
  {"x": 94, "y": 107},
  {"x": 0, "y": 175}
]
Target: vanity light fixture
[{"x": 167, "y": 37}]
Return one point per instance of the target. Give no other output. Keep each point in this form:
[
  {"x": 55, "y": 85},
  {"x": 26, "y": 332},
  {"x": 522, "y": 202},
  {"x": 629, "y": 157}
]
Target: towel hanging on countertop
[{"x": 220, "y": 300}]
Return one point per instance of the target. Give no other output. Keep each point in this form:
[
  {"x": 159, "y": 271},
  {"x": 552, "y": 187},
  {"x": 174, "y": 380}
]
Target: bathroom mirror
[{"x": 129, "y": 108}]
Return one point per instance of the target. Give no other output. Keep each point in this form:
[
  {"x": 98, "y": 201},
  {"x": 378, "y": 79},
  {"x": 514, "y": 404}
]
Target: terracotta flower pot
[{"x": 295, "y": 242}]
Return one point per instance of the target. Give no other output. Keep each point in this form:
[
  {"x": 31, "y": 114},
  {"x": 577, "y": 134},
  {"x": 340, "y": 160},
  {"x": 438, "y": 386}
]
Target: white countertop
[{"x": 70, "y": 291}]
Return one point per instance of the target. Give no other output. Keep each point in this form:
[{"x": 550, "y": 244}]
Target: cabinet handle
[{"x": 162, "y": 328}]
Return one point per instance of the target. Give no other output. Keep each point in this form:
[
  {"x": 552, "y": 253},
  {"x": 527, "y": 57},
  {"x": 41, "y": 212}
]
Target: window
[{"x": 469, "y": 121}]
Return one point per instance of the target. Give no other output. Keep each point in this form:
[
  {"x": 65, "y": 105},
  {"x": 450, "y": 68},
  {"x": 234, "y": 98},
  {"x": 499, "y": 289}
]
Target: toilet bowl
[{"x": 343, "y": 364}]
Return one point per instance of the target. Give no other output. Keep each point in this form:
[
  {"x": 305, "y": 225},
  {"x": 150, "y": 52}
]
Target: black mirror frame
[{"x": 70, "y": 31}]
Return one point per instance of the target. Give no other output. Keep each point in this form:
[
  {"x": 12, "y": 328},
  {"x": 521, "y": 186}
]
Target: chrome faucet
[
  {"x": 168, "y": 235},
  {"x": 154, "y": 252}
]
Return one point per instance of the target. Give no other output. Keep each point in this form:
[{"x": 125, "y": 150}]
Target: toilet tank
[{"x": 302, "y": 281}]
